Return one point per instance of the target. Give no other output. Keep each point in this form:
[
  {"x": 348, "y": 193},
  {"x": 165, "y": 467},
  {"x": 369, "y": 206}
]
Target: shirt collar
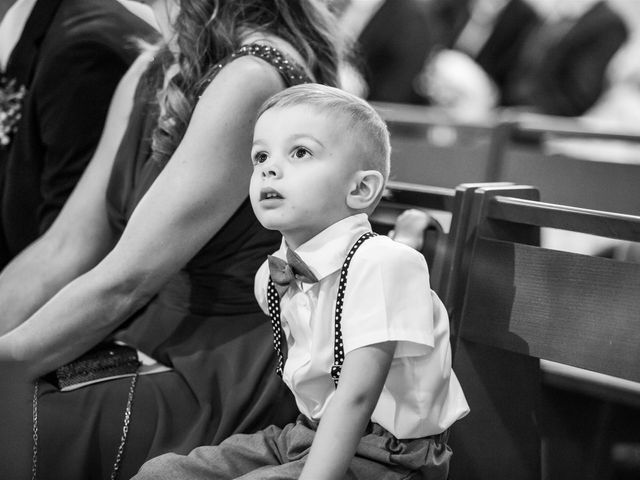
[{"x": 324, "y": 254}]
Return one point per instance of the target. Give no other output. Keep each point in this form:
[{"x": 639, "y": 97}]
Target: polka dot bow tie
[{"x": 283, "y": 273}]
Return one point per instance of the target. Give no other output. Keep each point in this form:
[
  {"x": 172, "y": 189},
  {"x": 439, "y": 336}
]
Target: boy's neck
[{"x": 294, "y": 240}]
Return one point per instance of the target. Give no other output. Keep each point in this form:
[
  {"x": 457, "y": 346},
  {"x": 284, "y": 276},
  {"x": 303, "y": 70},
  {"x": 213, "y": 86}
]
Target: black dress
[{"x": 204, "y": 323}]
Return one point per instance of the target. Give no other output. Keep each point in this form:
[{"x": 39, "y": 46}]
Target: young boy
[{"x": 367, "y": 353}]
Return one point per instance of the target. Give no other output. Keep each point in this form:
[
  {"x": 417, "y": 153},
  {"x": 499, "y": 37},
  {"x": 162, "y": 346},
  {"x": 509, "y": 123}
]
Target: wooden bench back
[
  {"x": 430, "y": 148},
  {"x": 568, "y": 173},
  {"x": 522, "y": 303},
  {"x": 437, "y": 202},
  {"x": 442, "y": 239}
]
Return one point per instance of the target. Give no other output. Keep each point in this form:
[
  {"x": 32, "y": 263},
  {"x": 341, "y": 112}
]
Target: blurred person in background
[
  {"x": 562, "y": 69},
  {"x": 534, "y": 55},
  {"x": 391, "y": 40},
  {"x": 60, "y": 62},
  {"x": 479, "y": 44},
  {"x": 619, "y": 104}
]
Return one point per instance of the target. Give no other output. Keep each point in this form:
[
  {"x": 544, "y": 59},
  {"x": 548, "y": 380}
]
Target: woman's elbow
[{"x": 120, "y": 293}]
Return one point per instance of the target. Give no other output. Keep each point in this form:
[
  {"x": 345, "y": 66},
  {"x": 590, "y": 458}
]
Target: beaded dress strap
[
  {"x": 291, "y": 72},
  {"x": 273, "y": 305}
]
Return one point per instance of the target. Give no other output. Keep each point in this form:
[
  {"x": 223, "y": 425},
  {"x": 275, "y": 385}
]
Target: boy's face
[{"x": 304, "y": 168}]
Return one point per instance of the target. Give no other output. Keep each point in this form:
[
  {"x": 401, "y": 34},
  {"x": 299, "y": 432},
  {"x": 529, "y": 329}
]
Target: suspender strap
[
  {"x": 273, "y": 305},
  {"x": 338, "y": 347}
]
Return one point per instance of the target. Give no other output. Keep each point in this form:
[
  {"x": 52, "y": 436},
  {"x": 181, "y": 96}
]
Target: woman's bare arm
[{"x": 202, "y": 185}]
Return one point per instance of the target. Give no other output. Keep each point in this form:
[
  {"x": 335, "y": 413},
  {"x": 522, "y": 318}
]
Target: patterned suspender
[{"x": 273, "y": 303}]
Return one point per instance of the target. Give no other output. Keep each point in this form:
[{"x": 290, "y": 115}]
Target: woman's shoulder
[
  {"x": 279, "y": 57},
  {"x": 246, "y": 67},
  {"x": 245, "y": 77},
  {"x": 274, "y": 49},
  {"x": 260, "y": 61}
]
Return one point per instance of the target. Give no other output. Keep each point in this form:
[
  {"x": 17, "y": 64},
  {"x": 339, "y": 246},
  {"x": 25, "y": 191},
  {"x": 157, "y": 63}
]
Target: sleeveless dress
[{"x": 204, "y": 323}]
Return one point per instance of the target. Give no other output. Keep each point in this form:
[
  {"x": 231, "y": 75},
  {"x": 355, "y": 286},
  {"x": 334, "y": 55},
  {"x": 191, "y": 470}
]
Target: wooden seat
[{"x": 518, "y": 303}]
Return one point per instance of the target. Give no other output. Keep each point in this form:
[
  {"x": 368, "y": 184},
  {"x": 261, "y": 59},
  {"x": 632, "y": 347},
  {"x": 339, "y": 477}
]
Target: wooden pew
[
  {"x": 430, "y": 148},
  {"x": 438, "y": 203},
  {"x": 569, "y": 162},
  {"x": 448, "y": 211},
  {"x": 521, "y": 303}
]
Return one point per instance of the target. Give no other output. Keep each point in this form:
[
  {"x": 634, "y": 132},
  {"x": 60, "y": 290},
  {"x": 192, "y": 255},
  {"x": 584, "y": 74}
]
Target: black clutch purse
[{"x": 103, "y": 362}]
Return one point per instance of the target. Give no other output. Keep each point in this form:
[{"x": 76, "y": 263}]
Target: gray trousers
[{"x": 276, "y": 453}]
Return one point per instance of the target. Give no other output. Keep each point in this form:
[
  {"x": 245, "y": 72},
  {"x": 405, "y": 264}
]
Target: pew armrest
[{"x": 584, "y": 381}]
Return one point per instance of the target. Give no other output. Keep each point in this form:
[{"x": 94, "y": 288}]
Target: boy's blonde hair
[{"x": 361, "y": 119}]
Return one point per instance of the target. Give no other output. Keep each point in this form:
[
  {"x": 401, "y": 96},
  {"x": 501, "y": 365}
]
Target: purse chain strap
[
  {"x": 34, "y": 458},
  {"x": 123, "y": 438}
]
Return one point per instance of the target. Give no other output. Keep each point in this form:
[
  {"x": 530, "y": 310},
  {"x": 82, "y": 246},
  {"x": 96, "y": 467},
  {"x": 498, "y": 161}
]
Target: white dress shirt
[{"x": 388, "y": 298}]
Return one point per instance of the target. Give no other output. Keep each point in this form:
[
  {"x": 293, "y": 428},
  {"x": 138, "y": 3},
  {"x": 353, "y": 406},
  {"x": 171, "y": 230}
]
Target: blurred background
[
  {"x": 535, "y": 92},
  {"x": 472, "y": 57}
]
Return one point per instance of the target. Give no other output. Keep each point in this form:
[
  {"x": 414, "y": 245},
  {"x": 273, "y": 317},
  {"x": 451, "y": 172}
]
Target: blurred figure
[
  {"x": 481, "y": 42},
  {"x": 619, "y": 105},
  {"x": 538, "y": 55},
  {"x": 494, "y": 36},
  {"x": 60, "y": 61},
  {"x": 562, "y": 69},
  {"x": 453, "y": 81},
  {"x": 392, "y": 39},
  {"x": 617, "y": 108}
]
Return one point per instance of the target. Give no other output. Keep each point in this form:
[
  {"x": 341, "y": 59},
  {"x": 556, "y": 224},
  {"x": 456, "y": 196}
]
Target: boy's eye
[
  {"x": 301, "y": 152},
  {"x": 259, "y": 157}
]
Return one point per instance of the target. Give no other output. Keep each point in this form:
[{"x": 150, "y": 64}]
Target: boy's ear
[{"x": 366, "y": 189}]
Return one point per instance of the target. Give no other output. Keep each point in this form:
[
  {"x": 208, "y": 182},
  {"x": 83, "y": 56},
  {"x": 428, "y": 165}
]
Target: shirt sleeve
[
  {"x": 388, "y": 298},
  {"x": 260, "y": 286}
]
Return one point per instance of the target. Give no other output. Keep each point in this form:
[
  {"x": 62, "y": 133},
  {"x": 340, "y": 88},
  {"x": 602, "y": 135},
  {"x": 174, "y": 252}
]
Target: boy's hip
[{"x": 380, "y": 454}]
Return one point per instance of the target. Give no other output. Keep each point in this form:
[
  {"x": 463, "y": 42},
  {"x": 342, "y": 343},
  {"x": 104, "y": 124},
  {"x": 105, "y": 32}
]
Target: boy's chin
[{"x": 270, "y": 224}]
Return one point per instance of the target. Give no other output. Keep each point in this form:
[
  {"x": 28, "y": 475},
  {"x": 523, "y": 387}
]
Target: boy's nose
[{"x": 271, "y": 170}]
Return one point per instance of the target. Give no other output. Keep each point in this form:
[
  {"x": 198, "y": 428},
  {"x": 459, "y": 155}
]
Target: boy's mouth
[{"x": 269, "y": 194}]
